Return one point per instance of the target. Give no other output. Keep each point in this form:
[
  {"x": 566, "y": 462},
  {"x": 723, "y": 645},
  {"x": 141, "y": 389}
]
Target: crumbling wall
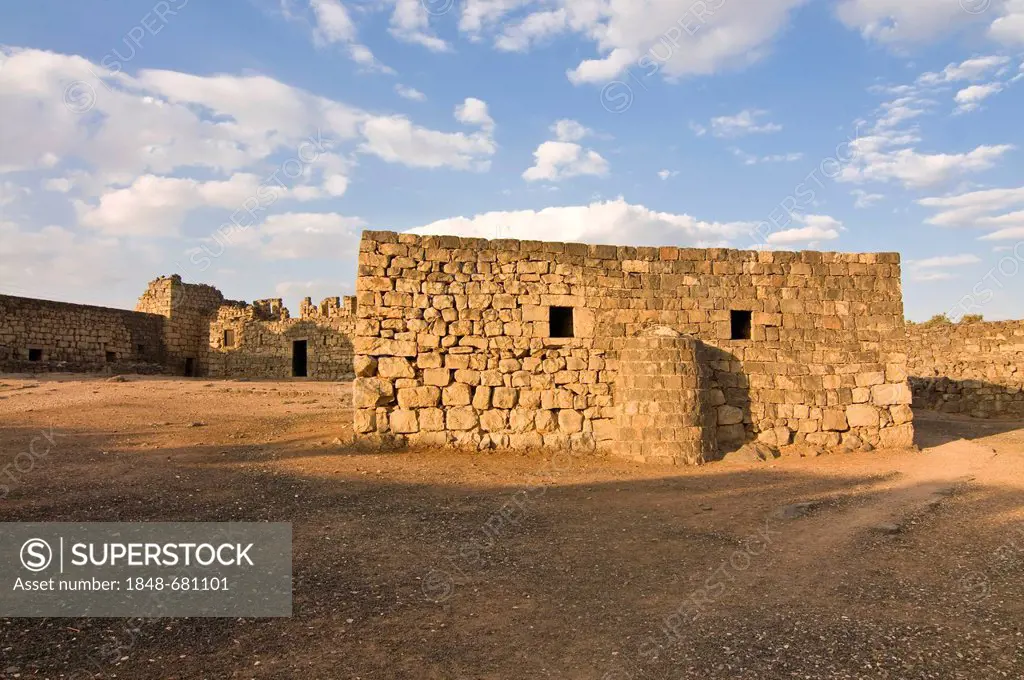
[
  {"x": 454, "y": 345},
  {"x": 975, "y": 368},
  {"x": 188, "y": 309},
  {"x": 43, "y": 335},
  {"x": 256, "y": 341}
]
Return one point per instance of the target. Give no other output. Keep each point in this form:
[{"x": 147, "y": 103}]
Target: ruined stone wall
[
  {"x": 453, "y": 341},
  {"x": 188, "y": 309},
  {"x": 42, "y": 335},
  {"x": 261, "y": 339},
  {"x": 971, "y": 368}
]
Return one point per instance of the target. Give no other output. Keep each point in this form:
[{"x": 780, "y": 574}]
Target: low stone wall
[
  {"x": 43, "y": 336},
  {"x": 971, "y": 368}
]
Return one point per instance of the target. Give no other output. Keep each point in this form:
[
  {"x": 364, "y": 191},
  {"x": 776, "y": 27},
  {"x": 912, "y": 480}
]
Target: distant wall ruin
[
  {"x": 973, "y": 368},
  {"x": 43, "y": 335},
  {"x": 179, "y": 328},
  {"x": 505, "y": 343}
]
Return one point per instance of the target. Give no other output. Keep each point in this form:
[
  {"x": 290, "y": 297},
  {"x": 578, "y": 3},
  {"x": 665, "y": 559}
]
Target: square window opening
[
  {"x": 140, "y": 349},
  {"x": 740, "y": 320},
  {"x": 560, "y": 322},
  {"x": 35, "y": 354},
  {"x": 229, "y": 338},
  {"x": 111, "y": 357}
]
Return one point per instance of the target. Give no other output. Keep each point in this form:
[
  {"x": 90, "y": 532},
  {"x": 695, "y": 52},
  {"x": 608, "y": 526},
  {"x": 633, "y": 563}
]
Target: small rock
[
  {"x": 117, "y": 378},
  {"x": 197, "y": 424},
  {"x": 795, "y": 510},
  {"x": 887, "y": 528}
]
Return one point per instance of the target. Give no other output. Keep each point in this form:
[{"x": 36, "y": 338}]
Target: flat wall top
[
  {"x": 57, "y": 304},
  {"x": 610, "y": 252}
]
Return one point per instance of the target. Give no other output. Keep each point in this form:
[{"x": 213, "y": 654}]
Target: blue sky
[{"x": 245, "y": 143}]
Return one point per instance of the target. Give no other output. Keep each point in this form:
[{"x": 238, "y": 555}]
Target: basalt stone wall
[
  {"x": 456, "y": 340},
  {"x": 189, "y": 309},
  {"x": 257, "y": 341},
  {"x": 42, "y": 335},
  {"x": 971, "y": 368}
]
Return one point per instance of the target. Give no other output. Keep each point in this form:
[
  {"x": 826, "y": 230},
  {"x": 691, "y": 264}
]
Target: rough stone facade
[
  {"x": 971, "y": 368},
  {"x": 42, "y": 336},
  {"x": 180, "y": 329},
  {"x": 456, "y": 345},
  {"x": 257, "y": 341}
]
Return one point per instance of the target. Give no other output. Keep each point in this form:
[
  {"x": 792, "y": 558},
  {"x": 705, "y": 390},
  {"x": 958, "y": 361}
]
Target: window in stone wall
[
  {"x": 140, "y": 349},
  {"x": 560, "y": 322},
  {"x": 35, "y": 354},
  {"x": 740, "y": 324},
  {"x": 229, "y": 338},
  {"x": 111, "y": 357}
]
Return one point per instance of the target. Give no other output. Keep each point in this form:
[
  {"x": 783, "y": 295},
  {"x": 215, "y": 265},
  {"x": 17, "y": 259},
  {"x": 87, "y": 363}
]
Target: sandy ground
[{"x": 428, "y": 564}]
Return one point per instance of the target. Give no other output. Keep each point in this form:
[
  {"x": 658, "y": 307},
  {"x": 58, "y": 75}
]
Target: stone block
[
  {"x": 419, "y": 397},
  {"x": 494, "y": 420},
  {"x": 461, "y": 419},
  {"x": 834, "y": 420},
  {"x": 438, "y": 377},
  {"x": 729, "y": 415},
  {"x": 862, "y": 415},
  {"x": 371, "y": 392},
  {"x": 364, "y": 366},
  {"x": 404, "y": 421},
  {"x": 897, "y": 437},
  {"x": 395, "y": 367},
  {"x": 570, "y": 421},
  {"x": 457, "y": 394},
  {"x": 504, "y": 397}
]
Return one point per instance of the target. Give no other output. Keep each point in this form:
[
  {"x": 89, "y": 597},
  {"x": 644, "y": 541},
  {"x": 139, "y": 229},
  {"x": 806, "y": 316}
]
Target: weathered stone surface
[
  {"x": 365, "y": 366},
  {"x": 834, "y": 420},
  {"x": 461, "y": 418},
  {"x": 898, "y": 437},
  {"x": 404, "y": 421},
  {"x": 395, "y": 367},
  {"x": 862, "y": 415},
  {"x": 419, "y": 397},
  {"x": 729, "y": 415},
  {"x": 370, "y": 392}
]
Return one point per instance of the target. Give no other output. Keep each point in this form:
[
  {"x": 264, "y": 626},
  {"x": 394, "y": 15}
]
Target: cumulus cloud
[
  {"x": 294, "y": 236},
  {"x": 659, "y": 35},
  {"x": 864, "y": 199},
  {"x": 474, "y": 111},
  {"x": 878, "y": 158},
  {"x": 555, "y": 161},
  {"x": 567, "y": 130},
  {"x": 906, "y": 21},
  {"x": 606, "y": 222}
]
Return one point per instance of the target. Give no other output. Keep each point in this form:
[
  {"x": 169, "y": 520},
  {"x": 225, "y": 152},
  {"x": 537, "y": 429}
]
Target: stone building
[
  {"x": 659, "y": 353},
  {"x": 179, "y": 328}
]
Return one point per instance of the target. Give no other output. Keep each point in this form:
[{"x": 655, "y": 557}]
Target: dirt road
[{"x": 427, "y": 564}]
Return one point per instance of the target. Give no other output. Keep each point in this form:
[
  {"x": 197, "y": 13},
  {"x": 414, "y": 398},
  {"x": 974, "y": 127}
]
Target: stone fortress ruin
[
  {"x": 656, "y": 354},
  {"x": 183, "y": 329}
]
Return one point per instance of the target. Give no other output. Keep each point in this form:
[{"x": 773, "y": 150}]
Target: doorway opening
[
  {"x": 190, "y": 367},
  {"x": 299, "y": 359}
]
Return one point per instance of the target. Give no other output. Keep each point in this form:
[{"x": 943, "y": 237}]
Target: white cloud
[
  {"x": 567, "y": 130},
  {"x": 473, "y": 111},
  {"x": 970, "y": 209},
  {"x": 1009, "y": 28},
  {"x": 1005, "y": 234},
  {"x": 555, "y": 161},
  {"x": 697, "y": 129},
  {"x": 535, "y": 28},
  {"x": 410, "y": 22},
  {"x": 673, "y": 37},
  {"x": 743, "y": 123},
  {"x": 750, "y": 159},
  {"x": 943, "y": 261},
  {"x": 970, "y": 98},
  {"x": 160, "y": 122},
  {"x": 607, "y": 222},
  {"x": 816, "y": 228},
  {"x": 667, "y": 174},
  {"x": 409, "y": 93},
  {"x": 875, "y": 160},
  {"x": 936, "y": 268},
  {"x": 294, "y": 236},
  {"x": 864, "y": 199},
  {"x": 971, "y": 69},
  {"x": 333, "y": 24},
  {"x": 907, "y": 21}
]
